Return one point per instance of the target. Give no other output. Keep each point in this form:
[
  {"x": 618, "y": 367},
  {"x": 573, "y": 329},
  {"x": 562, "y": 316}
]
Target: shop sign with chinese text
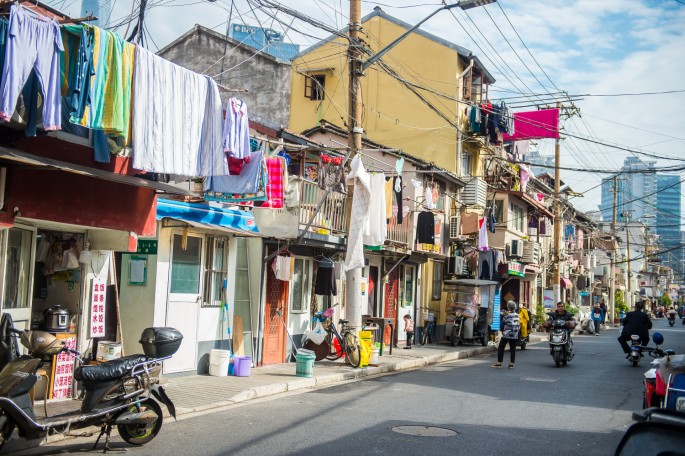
[
  {"x": 515, "y": 269},
  {"x": 97, "y": 308}
]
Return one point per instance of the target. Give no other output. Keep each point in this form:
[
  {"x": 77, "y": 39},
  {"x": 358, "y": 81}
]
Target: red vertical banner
[{"x": 97, "y": 308}]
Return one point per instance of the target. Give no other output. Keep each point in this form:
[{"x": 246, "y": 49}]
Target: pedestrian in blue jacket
[{"x": 597, "y": 316}]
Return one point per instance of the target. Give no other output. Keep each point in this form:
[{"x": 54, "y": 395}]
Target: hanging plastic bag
[
  {"x": 70, "y": 259},
  {"x": 43, "y": 250},
  {"x": 316, "y": 335},
  {"x": 283, "y": 267}
]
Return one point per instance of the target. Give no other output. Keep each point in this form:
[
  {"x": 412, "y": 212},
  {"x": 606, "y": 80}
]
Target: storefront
[{"x": 61, "y": 228}]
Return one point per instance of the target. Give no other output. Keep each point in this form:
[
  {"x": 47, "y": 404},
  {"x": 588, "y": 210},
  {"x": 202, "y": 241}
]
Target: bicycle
[
  {"x": 428, "y": 327},
  {"x": 347, "y": 343}
]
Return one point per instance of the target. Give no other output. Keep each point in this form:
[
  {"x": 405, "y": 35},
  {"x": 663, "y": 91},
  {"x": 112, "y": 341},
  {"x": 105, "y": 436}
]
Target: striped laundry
[{"x": 275, "y": 187}]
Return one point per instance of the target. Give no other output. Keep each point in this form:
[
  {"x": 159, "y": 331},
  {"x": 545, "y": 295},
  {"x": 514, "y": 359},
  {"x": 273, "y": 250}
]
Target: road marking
[{"x": 538, "y": 379}]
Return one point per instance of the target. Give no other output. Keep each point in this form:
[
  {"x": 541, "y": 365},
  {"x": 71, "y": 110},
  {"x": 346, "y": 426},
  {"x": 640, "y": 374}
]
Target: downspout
[{"x": 460, "y": 89}]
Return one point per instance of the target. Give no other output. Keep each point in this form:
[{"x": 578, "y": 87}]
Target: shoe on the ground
[
  {"x": 407, "y": 348},
  {"x": 511, "y": 365},
  {"x": 497, "y": 365},
  {"x": 596, "y": 334}
]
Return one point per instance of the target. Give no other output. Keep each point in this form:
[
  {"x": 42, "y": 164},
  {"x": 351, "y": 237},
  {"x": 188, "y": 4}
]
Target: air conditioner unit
[
  {"x": 455, "y": 265},
  {"x": 454, "y": 227},
  {"x": 531, "y": 252},
  {"x": 516, "y": 248},
  {"x": 475, "y": 193}
]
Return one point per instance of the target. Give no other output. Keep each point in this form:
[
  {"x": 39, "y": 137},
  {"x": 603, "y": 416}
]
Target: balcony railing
[
  {"x": 332, "y": 216},
  {"x": 400, "y": 234}
]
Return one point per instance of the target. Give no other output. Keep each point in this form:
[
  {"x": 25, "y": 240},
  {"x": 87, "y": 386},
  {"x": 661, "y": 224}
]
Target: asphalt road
[{"x": 457, "y": 408}]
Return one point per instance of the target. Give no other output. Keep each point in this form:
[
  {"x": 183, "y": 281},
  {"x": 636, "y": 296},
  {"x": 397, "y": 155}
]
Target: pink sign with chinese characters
[
  {"x": 97, "y": 308},
  {"x": 64, "y": 371}
]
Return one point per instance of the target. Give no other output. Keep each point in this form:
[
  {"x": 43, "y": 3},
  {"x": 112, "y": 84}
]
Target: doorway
[
  {"x": 275, "y": 319},
  {"x": 183, "y": 305}
]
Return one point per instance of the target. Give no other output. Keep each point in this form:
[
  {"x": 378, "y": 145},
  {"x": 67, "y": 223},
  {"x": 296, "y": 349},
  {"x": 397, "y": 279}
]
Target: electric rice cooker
[{"x": 56, "y": 319}]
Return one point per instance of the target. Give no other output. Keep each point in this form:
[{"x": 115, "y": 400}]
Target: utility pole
[
  {"x": 556, "y": 276},
  {"x": 353, "y": 277},
  {"x": 629, "y": 295},
  {"x": 612, "y": 275}
]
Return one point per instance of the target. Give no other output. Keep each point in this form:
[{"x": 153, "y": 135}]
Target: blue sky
[{"x": 597, "y": 47}]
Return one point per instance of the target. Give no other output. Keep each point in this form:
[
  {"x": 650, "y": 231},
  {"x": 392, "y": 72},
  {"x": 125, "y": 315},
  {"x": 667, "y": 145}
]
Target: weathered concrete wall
[{"x": 266, "y": 78}]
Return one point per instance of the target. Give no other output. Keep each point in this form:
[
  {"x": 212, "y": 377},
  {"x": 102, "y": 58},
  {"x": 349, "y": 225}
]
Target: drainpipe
[{"x": 460, "y": 89}]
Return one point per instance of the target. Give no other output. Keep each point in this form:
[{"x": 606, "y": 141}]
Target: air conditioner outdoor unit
[
  {"x": 475, "y": 193},
  {"x": 455, "y": 265},
  {"x": 531, "y": 252},
  {"x": 454, "y": 227},
  {"x": 516, "y": 249}
]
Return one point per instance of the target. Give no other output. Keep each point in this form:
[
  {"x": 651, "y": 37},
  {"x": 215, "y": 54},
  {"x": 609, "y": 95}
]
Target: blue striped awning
[{"x": 209, "y": 216}]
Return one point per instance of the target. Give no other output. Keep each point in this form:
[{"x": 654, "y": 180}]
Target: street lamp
[{"x": 463, "y": 4}]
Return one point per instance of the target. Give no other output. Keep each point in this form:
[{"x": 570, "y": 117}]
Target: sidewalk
[{"x": 197, "y": 393}]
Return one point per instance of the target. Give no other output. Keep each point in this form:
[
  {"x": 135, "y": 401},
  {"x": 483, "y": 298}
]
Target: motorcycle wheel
[
  {"x": 453, "y": 336},
  {"x": 485, "y": 338},
  {"x": 634, "y": 363},
  {"x": 140, "y": 434},
  {"x": 557, "y": 359}
]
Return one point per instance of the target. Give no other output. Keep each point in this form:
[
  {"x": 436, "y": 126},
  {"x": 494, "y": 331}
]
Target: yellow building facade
[{"x": 409, "y": 98}]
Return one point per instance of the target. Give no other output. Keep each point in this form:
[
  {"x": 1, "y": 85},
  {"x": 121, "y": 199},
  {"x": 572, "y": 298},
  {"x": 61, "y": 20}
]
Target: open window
[{"x": 315, "y": 86}]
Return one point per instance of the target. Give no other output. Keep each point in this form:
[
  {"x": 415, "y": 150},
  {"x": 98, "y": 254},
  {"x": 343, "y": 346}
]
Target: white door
[
  {"x": 18, "y": 247},
  {"x": 183, "y": 305}
]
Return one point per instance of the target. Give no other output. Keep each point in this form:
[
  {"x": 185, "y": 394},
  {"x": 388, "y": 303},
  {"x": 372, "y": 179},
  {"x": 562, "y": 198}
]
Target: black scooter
[
  {"x": 481, "y": 330},
  {"x": 118, "y": 393}
]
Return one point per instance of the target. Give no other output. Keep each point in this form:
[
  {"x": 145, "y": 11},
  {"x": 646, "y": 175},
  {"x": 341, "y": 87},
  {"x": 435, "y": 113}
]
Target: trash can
[
  {"x": 305, "y": 363},
  {"x": 365, "y": 345},
  {"x": 242, "y": 365}
]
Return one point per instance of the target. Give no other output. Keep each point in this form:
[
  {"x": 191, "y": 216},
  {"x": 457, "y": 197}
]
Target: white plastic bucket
[
  {"x": 218, "y": 362},
  {"x": 373, "y": 360}
]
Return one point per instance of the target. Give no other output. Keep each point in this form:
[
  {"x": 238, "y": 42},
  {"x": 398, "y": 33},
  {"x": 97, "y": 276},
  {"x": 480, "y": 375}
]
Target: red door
[
  {"x": 274, "y": 326},
  {"x": 389, "y": 311}
]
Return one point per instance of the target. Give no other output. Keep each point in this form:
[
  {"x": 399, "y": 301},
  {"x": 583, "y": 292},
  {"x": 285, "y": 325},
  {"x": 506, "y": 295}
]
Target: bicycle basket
[{"x": 430, "y": 316}]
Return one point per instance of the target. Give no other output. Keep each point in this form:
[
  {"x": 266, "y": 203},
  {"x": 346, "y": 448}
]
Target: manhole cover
[{"x": 424, "y": 431}]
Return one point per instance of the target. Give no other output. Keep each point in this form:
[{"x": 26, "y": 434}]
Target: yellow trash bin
[{"x": 365, "y": 344}]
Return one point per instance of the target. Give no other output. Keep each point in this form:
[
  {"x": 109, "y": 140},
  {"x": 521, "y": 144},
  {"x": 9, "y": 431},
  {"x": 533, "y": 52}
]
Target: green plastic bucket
[{"x": 305, "y": 363}]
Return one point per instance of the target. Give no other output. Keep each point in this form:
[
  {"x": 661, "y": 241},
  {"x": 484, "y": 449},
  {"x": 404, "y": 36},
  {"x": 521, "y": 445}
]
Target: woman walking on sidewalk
[
  {"x": 510, "y": 334},
  {"x": 597, "y": 317}
]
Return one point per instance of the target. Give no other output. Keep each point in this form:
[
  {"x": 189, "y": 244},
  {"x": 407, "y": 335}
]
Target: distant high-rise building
[
  {"x": 266, "y": 40},
  {"x": 102, "y": 9},
  {"x": 668, "y": 219},
  {"x": 535, "y": 158},
  {"x": 636, "y": 193}
]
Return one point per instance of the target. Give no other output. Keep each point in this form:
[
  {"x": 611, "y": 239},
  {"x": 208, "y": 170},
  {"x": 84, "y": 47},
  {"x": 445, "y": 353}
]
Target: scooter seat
[{"x": 111, "y": 370}]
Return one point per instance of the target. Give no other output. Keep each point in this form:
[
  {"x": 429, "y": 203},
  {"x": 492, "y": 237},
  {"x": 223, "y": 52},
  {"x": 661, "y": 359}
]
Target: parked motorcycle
[
  {"x": 123, "y": 392},
  {"x": 560, "y": 341},
  {"x": 650, "y": 396},
  {"x": 481, "y": 330}
]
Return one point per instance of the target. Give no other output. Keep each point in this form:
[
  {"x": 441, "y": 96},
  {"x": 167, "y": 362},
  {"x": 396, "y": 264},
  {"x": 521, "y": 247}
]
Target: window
[
  {"x": 476, "y": 88},
  {"x": 300, "y": 286},
  {"x": 215, "y": 271},
  {"x": 17, "y": 269},
  {"x": 436, "y": 293},
  {"x": 517, "y": 217},
  {"x": 467, "y": 164},
  {"x": 499, "y": 211},
  {"x": 185, "y": 265},
  {"x": 314, "y": 86}
]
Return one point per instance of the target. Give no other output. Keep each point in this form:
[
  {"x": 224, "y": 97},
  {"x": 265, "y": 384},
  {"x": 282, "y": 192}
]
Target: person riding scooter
[
  {"x": 562, "y": 314},
  {"x": 636, "y": 322},
  {"x": 671, "y": 314}
]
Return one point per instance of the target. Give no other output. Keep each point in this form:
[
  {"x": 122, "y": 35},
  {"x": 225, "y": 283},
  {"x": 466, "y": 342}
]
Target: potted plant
[{"x": 198, "y": 184}]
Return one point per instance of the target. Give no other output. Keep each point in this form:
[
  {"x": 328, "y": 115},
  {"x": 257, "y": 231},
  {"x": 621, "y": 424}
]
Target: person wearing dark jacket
[{"x": 636, "y": 322}]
